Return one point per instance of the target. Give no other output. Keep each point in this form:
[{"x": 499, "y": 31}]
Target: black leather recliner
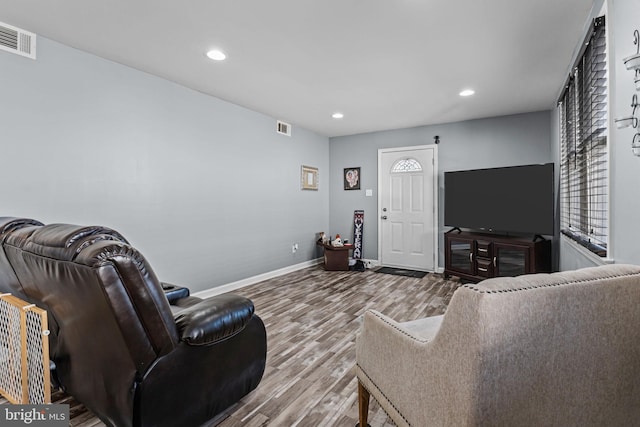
[{"x": 118, "y": 344}]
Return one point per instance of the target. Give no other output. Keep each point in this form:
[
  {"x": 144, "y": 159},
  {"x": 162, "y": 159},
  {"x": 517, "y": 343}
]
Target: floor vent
[
  {"x": 17, "y": 41},
  {"x": 283, "y": 128}
]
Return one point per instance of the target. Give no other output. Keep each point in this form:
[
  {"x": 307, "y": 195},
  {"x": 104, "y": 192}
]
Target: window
[
  {"x": 406, "y": 165},
  {"x": 584, "y": 158}
]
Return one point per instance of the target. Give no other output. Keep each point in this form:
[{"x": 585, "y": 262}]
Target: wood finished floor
[{"x": 312, "y": 318}]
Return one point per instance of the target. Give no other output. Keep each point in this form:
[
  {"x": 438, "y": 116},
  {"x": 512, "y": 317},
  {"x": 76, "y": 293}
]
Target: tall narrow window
[{"x": 584, "y": 168}]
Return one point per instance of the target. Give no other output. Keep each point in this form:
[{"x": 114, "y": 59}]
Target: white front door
[{"x": 407, "y": 204}]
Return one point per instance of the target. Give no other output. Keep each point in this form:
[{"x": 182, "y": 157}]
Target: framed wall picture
[
  {"x": 352, "y": 178},
  {"x": 308, "y": 178}
]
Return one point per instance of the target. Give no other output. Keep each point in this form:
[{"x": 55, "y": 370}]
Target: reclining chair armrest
[
  {"x": 393, "y": 361},
  {"x": 174, "y": 292},
  {"x": 214, "y": 319},
  {"x": 384, "y": 345},
  {"x": 419, "y": 332}
]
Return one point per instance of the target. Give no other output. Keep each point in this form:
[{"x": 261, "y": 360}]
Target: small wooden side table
[{"x": 336, "y": 258}]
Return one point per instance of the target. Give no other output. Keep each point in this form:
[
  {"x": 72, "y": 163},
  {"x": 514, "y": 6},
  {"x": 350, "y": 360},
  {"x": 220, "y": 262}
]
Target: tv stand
[{"x": 478, "y": 256}]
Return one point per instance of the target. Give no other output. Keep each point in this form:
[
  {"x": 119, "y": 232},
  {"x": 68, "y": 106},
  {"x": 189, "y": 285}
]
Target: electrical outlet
[{"x": 294, "y": 248}]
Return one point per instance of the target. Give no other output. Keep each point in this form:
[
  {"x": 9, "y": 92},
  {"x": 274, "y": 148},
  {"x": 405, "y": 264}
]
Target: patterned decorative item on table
[{"x": 358, "y": 224}]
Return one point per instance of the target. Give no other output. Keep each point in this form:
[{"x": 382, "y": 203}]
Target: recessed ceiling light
[
  {"x": 467, "y": 92},
  {"x": 217, "y": 55},
  {"x": 337, "y": 115}
]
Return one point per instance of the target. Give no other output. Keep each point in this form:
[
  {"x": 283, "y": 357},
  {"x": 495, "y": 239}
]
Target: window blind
[{"x": 584, "y": 158}]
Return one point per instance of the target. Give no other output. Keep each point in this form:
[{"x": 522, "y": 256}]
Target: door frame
[{"x": 436, "y": 196}]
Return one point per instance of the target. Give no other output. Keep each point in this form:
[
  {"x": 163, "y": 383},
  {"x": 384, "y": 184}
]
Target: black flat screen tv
[{"x": 517, "y": 199}]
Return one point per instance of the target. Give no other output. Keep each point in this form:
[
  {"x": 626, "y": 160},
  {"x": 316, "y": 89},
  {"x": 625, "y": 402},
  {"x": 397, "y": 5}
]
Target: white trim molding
[
  {"x": 436, "y": 196},
  {"x": 255, "y": 279},
  {"x": 586, "y": 254}
]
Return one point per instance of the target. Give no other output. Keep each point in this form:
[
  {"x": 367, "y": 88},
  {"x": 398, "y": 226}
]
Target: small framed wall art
[
  {"x": 308, "y": 178},
  {"x": 352, "y": 178}
]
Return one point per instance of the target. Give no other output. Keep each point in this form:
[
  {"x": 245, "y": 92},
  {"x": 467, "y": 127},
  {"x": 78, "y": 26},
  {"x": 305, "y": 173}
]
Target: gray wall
[
  {"x": 625, "y": 167},
  {"x": 501, "y": 141},
  {"x": 622, "y": 20},
  {"x": 205, "y": 189}
]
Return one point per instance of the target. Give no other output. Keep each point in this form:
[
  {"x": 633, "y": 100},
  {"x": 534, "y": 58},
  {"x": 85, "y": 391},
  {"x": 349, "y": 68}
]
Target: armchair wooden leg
[{"x": 363, "y": 405}]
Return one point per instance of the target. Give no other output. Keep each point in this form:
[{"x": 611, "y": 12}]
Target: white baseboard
[
  {"x": 369, "y": 263},
  {"x": 255, "y": 279}
]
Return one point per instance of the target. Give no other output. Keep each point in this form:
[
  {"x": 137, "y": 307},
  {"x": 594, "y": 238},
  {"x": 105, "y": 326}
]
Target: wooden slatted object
[{"x": 24, "y": 352}]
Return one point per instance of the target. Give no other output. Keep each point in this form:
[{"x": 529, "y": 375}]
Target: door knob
[
  {"x": 384, "y": 217},
  {"x": 384, "y": 209}
]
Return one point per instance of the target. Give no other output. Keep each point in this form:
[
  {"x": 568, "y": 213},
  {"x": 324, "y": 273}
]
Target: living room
[{"x": 88, "y": 140}]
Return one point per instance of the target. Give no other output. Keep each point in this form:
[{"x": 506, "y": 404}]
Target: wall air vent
[
  {"x": 17, "y": 41},
  {"x": 283, "y": 128}
]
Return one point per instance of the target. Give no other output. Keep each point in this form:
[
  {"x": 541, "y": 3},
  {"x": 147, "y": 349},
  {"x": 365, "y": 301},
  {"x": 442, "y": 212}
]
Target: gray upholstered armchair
[{"x": 558, "y": 349}]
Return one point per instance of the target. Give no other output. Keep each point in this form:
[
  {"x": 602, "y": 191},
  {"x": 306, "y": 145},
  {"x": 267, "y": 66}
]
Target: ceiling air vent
[
  {"x": 17, "y": 41},
  {"x": 283, "y": 128}
]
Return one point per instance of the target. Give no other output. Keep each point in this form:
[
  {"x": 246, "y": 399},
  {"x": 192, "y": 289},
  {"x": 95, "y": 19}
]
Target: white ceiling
[{"x": 385, "y": 64}]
